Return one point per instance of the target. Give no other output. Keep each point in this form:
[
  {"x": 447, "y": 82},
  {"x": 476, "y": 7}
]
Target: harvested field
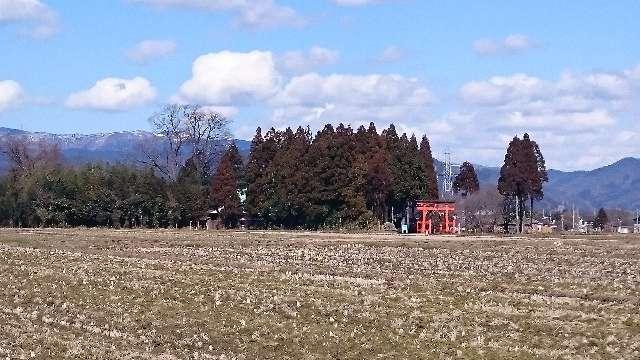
[{"x": 270, "y": 295}]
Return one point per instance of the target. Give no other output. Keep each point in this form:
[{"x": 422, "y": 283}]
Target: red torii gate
[{"x": 445, "y": 209}]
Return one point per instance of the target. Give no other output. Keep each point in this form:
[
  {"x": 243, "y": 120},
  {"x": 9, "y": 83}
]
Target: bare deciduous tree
[
  {"x": 25, "y": 155},
  {"x": 184, "y": 132}
]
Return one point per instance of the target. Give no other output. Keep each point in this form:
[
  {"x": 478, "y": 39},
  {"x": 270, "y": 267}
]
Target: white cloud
[
  {"x": 499, "y": 90},
  {"x": 42, "y": 19},
  {"x": 300, "y": 61},
  {"x": 391, "y": 54},
  {"x": 561, "y": 121},
  {"x": 515, "y": 43},
  {"x": 571, "y": 92},
  {"x": 358, "y": 90},
  {"x": 355, "y": 99},
  {"x": 113, "y": 94},
  {"x": 11, "y": 94},
  {"x": 252, "y": 13},
  {"x": 226, "y": 111},
  {"x": 227, "y": 78},
  {"x": 581, "y": 120},
  {"x": 149, "y": 50}
]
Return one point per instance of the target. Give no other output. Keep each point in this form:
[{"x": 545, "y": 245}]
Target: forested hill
[
  {"x": 117, "y": 147},
  {"x": 612, "y": 186}
]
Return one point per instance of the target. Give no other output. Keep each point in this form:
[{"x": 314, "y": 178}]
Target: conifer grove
[{"x": 337, "y": 178}]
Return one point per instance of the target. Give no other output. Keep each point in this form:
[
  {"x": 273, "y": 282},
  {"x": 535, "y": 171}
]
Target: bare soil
[{"x": 278, "y": 295}]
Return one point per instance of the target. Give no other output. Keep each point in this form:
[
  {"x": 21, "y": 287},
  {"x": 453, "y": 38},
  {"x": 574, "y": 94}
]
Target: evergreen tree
[
  {"x": 513, "y": 181},
  {"x": 466, "y": 182},
  {"x": 295, "y": 177},
  {"x": 324, "y": 197},
  {"x": 407, "y": 169},
  {"x": 335, "y": 199},
  {"x": 352, "y": 176},
  {"x": 392, "y": 148},
  {"x": 256, "y": 166},
  {"x": 237, "y": 164},
  {"x": 430, "y": 191},
  {"x": 535, "y": 170},
  {"x": 601, "y": 220},
  {"x": 523, "y": 174},
  {"x": 259, "y": 176},
  {"x": 379, "y": 180},
  {"x": 225, "y": 187},
  {"x": 191, "y": 194}
]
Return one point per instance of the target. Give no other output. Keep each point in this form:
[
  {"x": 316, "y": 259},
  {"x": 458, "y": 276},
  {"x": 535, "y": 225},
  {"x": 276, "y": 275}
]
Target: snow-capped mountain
[{"x": 116, "y": 147}]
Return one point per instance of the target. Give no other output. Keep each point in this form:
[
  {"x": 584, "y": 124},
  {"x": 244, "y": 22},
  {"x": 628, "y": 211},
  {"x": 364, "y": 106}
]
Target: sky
[{"x": 470, "y": 75}]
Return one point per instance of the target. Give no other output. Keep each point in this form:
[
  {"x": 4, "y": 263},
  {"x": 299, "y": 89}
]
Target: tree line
[{"x": 339, "y": 178}]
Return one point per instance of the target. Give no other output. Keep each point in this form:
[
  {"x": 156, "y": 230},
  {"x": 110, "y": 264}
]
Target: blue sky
[{"x": 468, "y": 74}]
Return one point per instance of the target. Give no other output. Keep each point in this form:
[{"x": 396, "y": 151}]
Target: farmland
[{"x": 275, "y": 295}]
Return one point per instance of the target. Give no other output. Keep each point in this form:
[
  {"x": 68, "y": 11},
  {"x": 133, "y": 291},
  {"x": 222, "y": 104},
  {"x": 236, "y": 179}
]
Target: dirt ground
[{"x": 274, "y": 295}]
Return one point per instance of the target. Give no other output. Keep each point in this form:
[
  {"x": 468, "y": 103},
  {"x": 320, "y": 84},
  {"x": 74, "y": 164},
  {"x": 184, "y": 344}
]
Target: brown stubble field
[{"x": 272, "y": 295}]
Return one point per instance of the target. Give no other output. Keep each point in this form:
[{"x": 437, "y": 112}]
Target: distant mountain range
[
  {"x": 116, "y": 147},
  {"x": 613, "y": 186}
]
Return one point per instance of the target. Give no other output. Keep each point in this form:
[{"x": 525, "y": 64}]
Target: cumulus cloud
[
  {"x": 254, "y": 13},
  {"x": 149, "y": 50},
  {"x": 355, "y": 99},
  {"x": 571, "y": 116},
  {"x": 11, "y": 94},
  {"x": 571, "y": 92},
  {"x": 227, "y": 78},
  {"x": 515, "y": 43},
  {"x": 113, "y": 94},
  {"x": 301, "y": 61},
  {"x": 500, "y": 90},
  {"x": 235, "y": 80},
  {"x": 360, "y": 90},
  {"x": 41, "y": 19}
]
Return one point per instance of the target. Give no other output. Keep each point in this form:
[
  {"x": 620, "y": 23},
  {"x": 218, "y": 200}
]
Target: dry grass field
[{"x": 268, "y": 295}]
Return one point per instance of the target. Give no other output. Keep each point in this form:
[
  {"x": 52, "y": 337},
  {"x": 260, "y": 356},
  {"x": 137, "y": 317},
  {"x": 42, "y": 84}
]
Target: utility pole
[{"x": 573, "y": 217}]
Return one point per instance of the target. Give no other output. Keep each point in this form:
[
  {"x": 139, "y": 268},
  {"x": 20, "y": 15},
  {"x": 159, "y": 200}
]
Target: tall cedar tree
[
  {"x": 324, "y": 196},
  {"x": 513, "y": 182},
  {"x": 522, "y": 175},
  {"x": 430, "y": 191},
  {"x": 378, "y": 176},
  {"x": 253, "y": 171},
  {"x": 466, "y": 182},
  {"x": 407, "y": 171},
  {"x": 601, "y": 220},
  {"x": 287, "y": 201},
  {"x": 354, "y": 210},
  {"x": 238, "y": 165},
  {"x": 190, "y": 193},
  {"x": 536, "y": 169},
  {"x": 335, "y": 198},
  {"x": 392, "y": 147},
  {"x": 258, "y": 175},
  {"x": 225, "y": 187}
]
